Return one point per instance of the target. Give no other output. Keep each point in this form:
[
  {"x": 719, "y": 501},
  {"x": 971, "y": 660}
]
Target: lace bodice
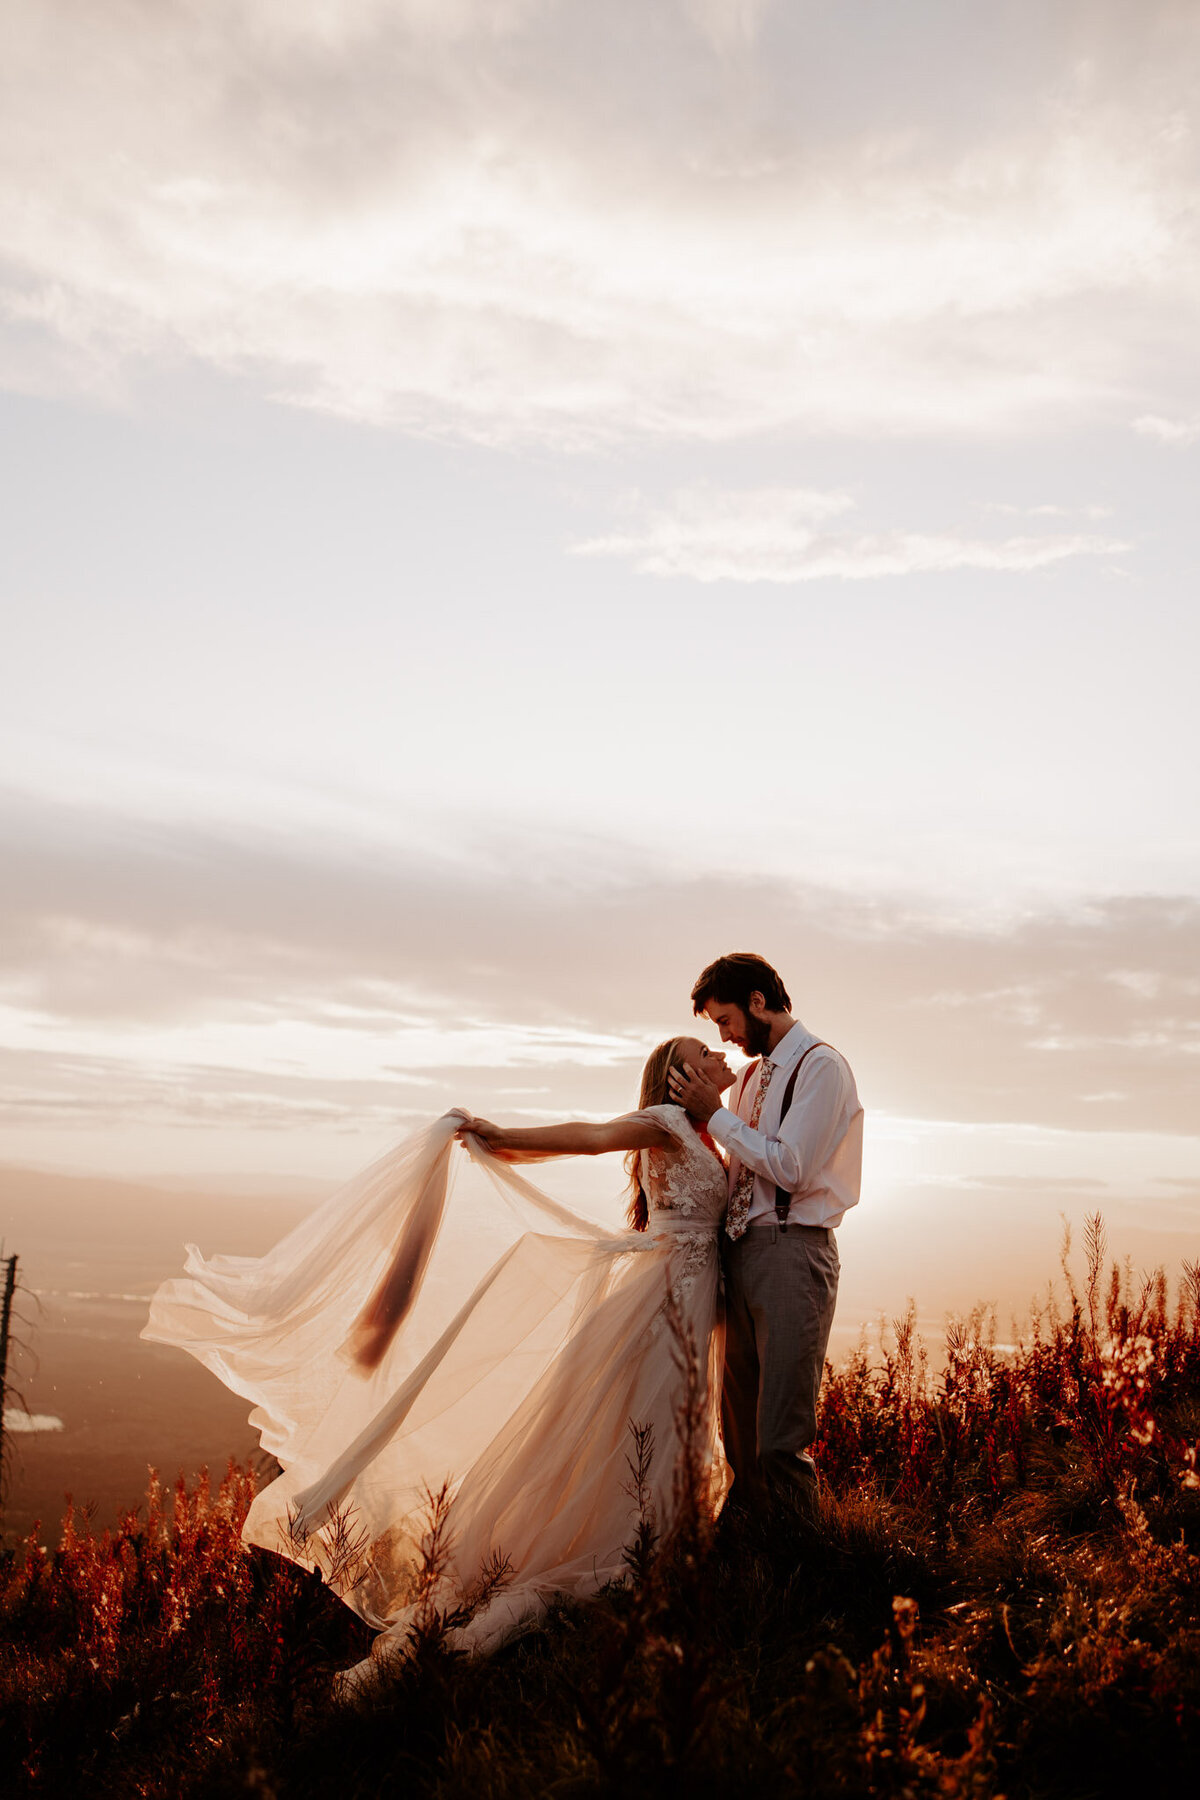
[{"x": 686, "y": 1180}]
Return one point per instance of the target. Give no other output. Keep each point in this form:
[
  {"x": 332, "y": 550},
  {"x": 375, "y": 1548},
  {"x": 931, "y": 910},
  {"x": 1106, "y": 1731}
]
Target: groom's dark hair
[{"x": 733, "y": 978}]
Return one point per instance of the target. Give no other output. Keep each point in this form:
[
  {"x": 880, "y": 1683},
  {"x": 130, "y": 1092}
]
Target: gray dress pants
[{"x": 780, "y": 1292}]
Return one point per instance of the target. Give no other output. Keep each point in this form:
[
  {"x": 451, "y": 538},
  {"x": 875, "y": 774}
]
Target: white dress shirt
[{"x": 816, "y": 1154}]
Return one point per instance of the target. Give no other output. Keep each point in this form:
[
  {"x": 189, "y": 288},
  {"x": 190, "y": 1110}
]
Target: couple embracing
[
  {"x": 793, "y": 1135},
  {"x": 389, "y": 1356}
]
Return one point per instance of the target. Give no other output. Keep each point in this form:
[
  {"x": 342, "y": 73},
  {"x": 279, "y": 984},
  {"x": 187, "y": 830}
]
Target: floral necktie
[{"x": 743, "y": 1190}]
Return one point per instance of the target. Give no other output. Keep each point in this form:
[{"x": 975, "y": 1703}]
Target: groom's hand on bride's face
[{"x": 694, "y": 1091}]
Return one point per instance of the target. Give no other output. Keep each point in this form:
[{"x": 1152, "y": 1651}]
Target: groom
[{"x": 794, "y": 1136}]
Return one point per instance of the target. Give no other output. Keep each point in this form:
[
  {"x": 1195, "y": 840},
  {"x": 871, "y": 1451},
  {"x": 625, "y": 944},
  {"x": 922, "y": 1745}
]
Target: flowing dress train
[{"x": 408, "y": 1335}]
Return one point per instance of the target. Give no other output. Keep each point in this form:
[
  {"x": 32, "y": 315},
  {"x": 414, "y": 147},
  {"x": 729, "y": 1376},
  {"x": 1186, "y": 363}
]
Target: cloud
[
  {"x": 728, "y": 24},
  {"x": 536, "y": 222},
  {"x": 252, "y": 978},
  {"x": 772, "y": 534},
  {"x": 49, "y": 1093},
  {"x": 1048, "y": 510},
  {"x": 1179, "y": 433}
]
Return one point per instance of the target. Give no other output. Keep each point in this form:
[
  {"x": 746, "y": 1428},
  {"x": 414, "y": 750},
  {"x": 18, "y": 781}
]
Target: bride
[{"x": 410, "y": 1335}]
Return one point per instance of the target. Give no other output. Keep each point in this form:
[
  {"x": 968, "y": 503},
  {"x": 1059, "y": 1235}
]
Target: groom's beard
[{"x": 758, "y": 1036}]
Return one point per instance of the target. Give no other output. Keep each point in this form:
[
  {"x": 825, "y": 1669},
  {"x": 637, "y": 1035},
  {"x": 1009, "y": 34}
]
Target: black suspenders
[{"x": 782, "y": 1198}]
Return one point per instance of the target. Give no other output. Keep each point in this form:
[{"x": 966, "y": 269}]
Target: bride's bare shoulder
[
  {"x": 670, "y": 1124},
  {"x": 651, "y": 1128}
]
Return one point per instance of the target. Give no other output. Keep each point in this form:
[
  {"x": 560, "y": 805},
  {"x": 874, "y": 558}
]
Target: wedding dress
[{"x": 410, "y": 1333}]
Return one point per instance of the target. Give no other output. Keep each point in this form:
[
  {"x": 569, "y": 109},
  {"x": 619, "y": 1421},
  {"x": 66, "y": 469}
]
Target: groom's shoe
[{"x": 790, "y": 1478}]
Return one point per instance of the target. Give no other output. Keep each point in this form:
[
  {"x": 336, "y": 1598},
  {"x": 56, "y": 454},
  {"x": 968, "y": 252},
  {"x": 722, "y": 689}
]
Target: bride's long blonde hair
[{"x": 654, "y": 1092}]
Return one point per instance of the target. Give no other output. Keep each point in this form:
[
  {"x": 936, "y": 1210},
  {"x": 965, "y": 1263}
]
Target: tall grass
[{"x": 1000, "y": 1595}]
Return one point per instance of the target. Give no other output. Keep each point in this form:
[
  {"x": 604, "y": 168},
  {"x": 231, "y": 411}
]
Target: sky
[{"x": 503, "y": 503}]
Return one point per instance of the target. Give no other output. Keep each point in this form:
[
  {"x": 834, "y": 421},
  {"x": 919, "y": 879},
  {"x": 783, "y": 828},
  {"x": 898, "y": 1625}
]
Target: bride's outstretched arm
[{"x": 575, "y": 1137}]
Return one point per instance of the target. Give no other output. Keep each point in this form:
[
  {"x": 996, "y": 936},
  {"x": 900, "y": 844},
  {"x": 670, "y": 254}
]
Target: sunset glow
[{"x": 502, "y": 507}]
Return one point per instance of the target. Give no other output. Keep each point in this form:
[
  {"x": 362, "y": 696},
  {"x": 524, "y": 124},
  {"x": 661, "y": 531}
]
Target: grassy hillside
[{"x": 1001, "y": 1596}]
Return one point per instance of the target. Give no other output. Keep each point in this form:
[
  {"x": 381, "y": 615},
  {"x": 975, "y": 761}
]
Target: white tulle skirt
[{"x": 416, "y": 1332}]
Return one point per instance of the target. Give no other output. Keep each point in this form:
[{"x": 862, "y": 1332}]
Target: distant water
[
  {"x": 102, "y": 1406},
  {"x": 19, "y": 1422}
]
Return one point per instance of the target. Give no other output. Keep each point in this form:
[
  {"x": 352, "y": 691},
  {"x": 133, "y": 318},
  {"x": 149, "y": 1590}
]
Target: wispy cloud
[
  {"x": 1047, "y": 510},
  {"x": 582, "y": 228},
  {"x": 774, "y": 535},
  {"x": 1179, "y": 433}
]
